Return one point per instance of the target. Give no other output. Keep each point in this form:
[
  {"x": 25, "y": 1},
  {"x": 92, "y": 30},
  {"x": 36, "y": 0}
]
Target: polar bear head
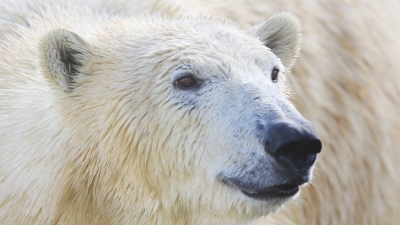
[{"x": 182, "y": 120}]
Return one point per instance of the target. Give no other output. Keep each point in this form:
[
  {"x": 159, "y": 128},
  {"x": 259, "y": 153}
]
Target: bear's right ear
[
  {"x": 282, "y": 34},
  {"x": 62, "y": 53}
]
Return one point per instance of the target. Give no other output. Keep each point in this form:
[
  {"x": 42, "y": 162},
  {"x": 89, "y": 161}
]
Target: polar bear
[
  {"x": 346, "y": 82},
  {"x": 148, "y": 119}
]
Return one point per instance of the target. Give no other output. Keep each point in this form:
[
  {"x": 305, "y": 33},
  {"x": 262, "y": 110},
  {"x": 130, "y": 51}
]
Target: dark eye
[
  {"x": 274, "y": 74},
  {"x": 186, "y": 82}
]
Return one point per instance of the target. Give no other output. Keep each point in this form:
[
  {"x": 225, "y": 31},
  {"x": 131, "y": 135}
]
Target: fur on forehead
[
  {"x": 160, "y": 33},
  {"x": 162, "y": 27}
]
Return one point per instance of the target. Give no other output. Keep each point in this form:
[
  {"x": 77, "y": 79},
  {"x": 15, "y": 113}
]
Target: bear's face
[{"x": 189, "y": 112}]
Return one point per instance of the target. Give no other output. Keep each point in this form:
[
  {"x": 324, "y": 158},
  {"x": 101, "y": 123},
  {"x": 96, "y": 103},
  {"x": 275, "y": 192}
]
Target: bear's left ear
[
  {"x": 62, "y": 53},
  {"x": 282, "y": 34}
]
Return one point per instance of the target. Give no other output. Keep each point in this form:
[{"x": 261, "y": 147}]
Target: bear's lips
[{"x": 278, "y": 191}]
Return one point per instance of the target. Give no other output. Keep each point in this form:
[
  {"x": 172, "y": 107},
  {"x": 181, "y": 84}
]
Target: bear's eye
[
  {"x": 186, "y": 82},
  {"x": 274, "y": 74}
]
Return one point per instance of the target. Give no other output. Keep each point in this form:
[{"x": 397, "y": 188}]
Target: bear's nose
[{"x": 294, "y": 146}]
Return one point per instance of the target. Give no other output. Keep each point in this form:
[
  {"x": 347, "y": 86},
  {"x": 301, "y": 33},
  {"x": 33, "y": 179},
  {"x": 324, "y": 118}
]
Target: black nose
[{"x": 294, "y": 146}]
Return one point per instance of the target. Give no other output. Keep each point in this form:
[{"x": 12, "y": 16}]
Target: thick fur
[
  {"x": 346, "y": 82},
  {"x": 96, "y": 130}
]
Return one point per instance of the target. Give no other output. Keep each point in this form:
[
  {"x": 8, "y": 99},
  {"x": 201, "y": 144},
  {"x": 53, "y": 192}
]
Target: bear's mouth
[
  {"x": 265, "y": 193},
  {"x": 278, "y": 191}
]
